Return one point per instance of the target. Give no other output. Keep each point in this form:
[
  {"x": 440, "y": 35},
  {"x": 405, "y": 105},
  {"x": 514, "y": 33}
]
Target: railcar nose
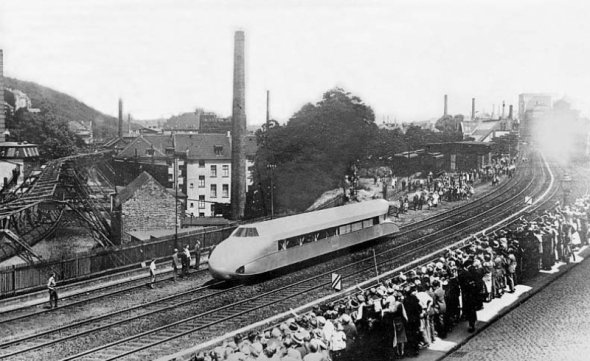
[{"x": 219, "y": 267}]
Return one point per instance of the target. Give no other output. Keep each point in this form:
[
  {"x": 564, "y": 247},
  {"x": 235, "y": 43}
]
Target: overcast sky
[{"x": 400, "y": 57}]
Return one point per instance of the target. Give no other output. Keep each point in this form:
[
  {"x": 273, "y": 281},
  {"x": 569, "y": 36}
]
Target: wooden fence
[{"x": 19, "y": 278}]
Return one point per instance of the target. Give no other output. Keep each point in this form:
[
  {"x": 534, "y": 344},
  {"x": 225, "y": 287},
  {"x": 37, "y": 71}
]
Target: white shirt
[{"x": 51, "y": 283}]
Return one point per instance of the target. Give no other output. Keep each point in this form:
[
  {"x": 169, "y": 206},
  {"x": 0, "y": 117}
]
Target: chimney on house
[
  {"x": 472, "y": 108},
  {"x": 120, "y": 133},
  {"x": 238, "y": 165},
  {"x": 446, "y": 106},
  {"x": 2, "y": 108}
]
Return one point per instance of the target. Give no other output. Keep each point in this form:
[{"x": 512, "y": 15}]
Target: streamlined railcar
[{"x": 258, "y": 248}]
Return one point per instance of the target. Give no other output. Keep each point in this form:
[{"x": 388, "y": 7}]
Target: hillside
[{"x": 64, "y": 107}]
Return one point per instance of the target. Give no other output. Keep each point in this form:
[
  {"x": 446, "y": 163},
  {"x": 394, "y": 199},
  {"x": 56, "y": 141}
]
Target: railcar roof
[{"x": 314, "y": 221}]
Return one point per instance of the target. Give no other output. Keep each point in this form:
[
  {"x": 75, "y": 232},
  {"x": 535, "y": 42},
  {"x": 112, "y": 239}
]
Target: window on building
[
  {"x": 192, "y": 205},
  {"x": 218, "y": 149},
  {"x": 201, "y": 164},
  {"x": 201, "y": 181},
  {"x": 213, "y": 190},
  {"x": 149, "y": 151},
  {"x": 225, "y": 170},
  {"x": 192, "y": 185},
  {"x": 202, "y": 202},
  {"x": 213, "y": 171},
  {"x": 225, "y": 190},
  {"x": 201, "y": 214},
  {"x": 213, "y": 209}
]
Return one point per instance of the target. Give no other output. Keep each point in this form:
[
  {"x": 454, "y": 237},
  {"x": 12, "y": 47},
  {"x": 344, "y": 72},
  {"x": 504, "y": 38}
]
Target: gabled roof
[
  {"x": 210, "y": 146},
  {"x": 203, "y": 146},
  {"x": 135, "y": 185},
  {"x": 143, "y": 143}
]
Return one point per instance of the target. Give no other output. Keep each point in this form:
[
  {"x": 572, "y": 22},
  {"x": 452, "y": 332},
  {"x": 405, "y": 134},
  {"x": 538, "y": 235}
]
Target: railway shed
[{"x": 458, "y": 156}]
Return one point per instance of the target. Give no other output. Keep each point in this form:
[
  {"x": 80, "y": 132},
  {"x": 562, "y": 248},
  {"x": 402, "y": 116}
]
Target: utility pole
[{"x": 176, "y": 201}]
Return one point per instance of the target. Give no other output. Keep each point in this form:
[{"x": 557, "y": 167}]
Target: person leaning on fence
[
  {"x": 152, "y": 273},
  {"x": 52, "y": 291}
]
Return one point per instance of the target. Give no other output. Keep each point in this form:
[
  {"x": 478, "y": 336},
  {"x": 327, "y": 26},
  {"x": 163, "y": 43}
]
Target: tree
[
  {"x": 53, "y": 136},
  {"x": 314, "y": 150}
]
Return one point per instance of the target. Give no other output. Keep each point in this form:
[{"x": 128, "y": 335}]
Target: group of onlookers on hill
[{"x": 405, "y": 313}]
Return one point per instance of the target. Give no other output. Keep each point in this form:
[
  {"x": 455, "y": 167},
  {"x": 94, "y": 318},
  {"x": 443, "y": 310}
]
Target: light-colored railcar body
[{"x": 258, "y": 248}]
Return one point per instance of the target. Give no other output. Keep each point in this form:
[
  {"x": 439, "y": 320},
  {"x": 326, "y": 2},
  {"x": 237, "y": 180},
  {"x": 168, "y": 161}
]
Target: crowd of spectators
[
  {"x": 431, "y": 191},
  {"x": 405, "y": 313}
]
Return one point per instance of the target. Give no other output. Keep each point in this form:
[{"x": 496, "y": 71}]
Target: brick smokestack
[
  {"x": 472, "y": 108},
  {"x": 446, "y": 106},
  {"x": 510, "y": 112},
  {"x": 2, "y": 108},
  {"x": 120, "y": 133},
  {"x": 503, "y": 108},
  {"x": 238, "y": 164},
  {"x": 128, "y": 123}
]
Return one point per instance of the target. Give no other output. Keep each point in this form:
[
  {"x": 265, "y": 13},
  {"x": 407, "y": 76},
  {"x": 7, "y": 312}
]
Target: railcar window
[
  {"x": 367, "y": 223},
  {"x": 376, "y": 220},
  {"x": 246, "y": 232},
  {"x": 356, "y": 226},
  {"x": 344, "y": 229}
]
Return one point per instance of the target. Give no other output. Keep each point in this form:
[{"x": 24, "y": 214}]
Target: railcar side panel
[{"x": 297, "y": 254}]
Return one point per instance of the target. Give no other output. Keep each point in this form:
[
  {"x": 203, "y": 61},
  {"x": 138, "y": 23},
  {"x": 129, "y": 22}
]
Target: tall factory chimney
[
  {"x": 120, "y": 118},
  {"x": 510, "y": 112},
  {"x": 446, "y": 106},
  {"x": 503, "y": 108},
  {"x": 2, "y": 110},
  {"x": 472, "y": 108},
  {"x": 238, "y": 164},
  {"x": 128, "y": 123}
]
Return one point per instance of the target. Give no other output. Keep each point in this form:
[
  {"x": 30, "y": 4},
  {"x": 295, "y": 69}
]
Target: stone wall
[{"x": 150, "y": 208}]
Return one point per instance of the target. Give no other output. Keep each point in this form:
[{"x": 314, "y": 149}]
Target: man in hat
[
  {"x": 197, "y": 254},
  {"x": 315, "y": 351},
  {"x": 186, "y": 261},
  {"x": 349, "y": 329},
  {"x": 414, "y": 312},
  {"x": 470, "y": 292},
  {"x": 337, "y": 342},
  {"x": 152, "y": 272},
  {"x": 52, "y": 291},
  {"x": 176, "y": 265}
]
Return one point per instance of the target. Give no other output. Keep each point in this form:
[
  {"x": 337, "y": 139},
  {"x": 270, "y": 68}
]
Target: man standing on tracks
[
  {"x": 152, "y": 273},
  {"x": 197, "y": 254},
  {"x": 186, "y": 261},
  {"x": 175, "y": 264},
  {"x": 52, "y": 291}
]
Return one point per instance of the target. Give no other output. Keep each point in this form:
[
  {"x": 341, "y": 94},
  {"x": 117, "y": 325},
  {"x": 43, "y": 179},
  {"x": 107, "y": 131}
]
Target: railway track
[
  {"x": 174, "y": 334},
  {"x": 73, "y": 301}
]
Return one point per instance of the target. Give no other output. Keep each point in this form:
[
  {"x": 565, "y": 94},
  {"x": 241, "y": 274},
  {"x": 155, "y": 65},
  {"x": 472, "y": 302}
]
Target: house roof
[
  {"x": 203, "y": 146},
  {"x": 211, "y": 146},
  {"x": 144, "y": 142},
  {"x": 135, "y": 185}
]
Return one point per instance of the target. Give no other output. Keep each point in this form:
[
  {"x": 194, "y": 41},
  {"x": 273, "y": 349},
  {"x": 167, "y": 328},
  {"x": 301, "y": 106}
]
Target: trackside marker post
[
  {"x": 336, "y": 282},
  {"x": 375, "y": 261}
]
